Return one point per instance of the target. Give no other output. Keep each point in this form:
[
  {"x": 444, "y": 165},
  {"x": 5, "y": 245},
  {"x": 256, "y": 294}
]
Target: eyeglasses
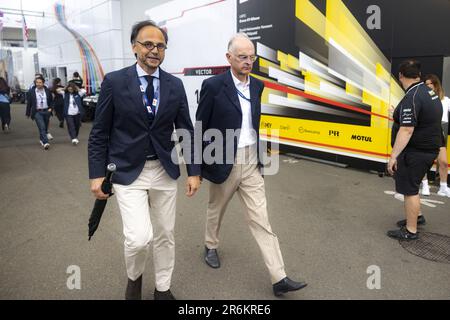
[
  {"x": 150, "y": 45},
  {"x": 243, "y": 58}
]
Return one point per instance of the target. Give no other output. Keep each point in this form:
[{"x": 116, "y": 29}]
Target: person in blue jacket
[
  {"x": 5, "y": 107},
  {"x": 73, "y": 111}
]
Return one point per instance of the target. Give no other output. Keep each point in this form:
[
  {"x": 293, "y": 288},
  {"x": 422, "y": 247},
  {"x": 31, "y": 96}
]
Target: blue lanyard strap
[
  {"x": 242, "y": 95},
  {"x": 148, "y": 103}
]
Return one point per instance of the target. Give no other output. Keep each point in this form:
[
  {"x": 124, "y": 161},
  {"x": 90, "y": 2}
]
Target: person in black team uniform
[
  {"x": 58, "y": 100},
  {"x": 416, "y": 139},
  {"x": 77, "y": 80}
]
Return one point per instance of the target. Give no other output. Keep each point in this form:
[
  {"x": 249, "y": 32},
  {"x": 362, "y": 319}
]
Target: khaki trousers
[
  {"x": 245, "y": 179},
  {"x": 156, "y": 192}
]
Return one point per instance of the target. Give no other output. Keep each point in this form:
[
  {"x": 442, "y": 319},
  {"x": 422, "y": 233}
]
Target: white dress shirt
[
  {"x": 446, "y": 107},
  {"x": 41, "y": 99},
  {"x": 248, "y": 134},
  {"x": 73, "y": 107}
]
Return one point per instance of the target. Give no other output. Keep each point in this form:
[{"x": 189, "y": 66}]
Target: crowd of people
[{"x": 42, "y": 102}]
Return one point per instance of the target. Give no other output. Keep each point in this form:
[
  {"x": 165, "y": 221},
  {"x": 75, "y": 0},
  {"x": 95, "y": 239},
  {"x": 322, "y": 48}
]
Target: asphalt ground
[{"x": 331, "y": 223}]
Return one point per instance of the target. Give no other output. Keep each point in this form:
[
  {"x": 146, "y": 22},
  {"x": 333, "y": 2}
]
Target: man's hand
[
  {"x": 192, "y": 185},
  {"x": 96, "y": 188},
  {"x": 392, "y": 166}
]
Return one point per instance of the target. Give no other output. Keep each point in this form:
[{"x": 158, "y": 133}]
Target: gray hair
[{"x": 240, "y": 35}]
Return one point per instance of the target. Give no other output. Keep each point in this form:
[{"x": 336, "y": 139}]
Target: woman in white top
[
  {"x": 432, "y": 81},
  {"x": 73, "y": 111}
]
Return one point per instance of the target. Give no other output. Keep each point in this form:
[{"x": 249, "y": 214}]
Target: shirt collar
[
  {"x": 239, "y": 83},
  {"x": 413, "y": 85},
  {"x": 142, "y": 73}
]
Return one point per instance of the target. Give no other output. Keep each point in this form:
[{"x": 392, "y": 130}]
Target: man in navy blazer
[
  {"x": 232, "y": 102},
  {"x": 138, "y": 109},
  {"x": 39, "y": 108}
]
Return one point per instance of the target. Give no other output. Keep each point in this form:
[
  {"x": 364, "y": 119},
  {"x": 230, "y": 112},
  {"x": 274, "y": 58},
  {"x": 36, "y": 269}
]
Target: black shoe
[
  {"x": 61, "y": 124},
  {"x": 134, "y": 289},
  {"x": 420, "y": 222},
  {"x": 212, "y": 258},
  {"x": 403, "y": 234},
  {"x": 286, "y": 285},
  {"x": 163, "y": 295}
]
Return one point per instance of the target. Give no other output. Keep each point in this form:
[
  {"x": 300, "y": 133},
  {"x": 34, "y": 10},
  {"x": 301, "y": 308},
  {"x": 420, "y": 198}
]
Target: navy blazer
[
  {"x": 219, "y": 108},
  {"x": 77, "y": 101},
  {"x": 121, "y": 128},
  {"x": 32, "y": 101}
]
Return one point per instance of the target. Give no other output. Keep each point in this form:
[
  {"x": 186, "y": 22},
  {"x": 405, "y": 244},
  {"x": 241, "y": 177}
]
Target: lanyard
[
  {"x": 146, "y": 101},
  {"x": 41, "y": 96},
  {"x": 242, "y": 95}
]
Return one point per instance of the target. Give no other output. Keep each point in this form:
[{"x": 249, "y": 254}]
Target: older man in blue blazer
[
  {"x": 232, "y": 101},
  {"x": 138, "y": 109}
]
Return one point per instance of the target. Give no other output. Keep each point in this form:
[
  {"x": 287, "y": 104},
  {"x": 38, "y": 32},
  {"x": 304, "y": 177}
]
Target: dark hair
[
  {"x": 40, "y": 78},
  {"x": 410, "y": 68},
  {"x": 4, "y": 88},
  {"x": 76, "y": 74},
  {"x": 55, "y": 83},
  {"x": 73, "y": 86},
  {"x": 146, "y": 23},
  {"x": 436, "y": 83}
]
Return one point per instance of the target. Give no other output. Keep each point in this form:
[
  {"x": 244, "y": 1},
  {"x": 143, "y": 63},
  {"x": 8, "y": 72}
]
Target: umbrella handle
[{"x": 106, "y": 184}]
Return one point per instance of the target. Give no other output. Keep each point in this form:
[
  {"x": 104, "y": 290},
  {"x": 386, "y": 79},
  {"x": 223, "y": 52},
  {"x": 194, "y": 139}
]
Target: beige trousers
[
  {"x": 147, "y": 207},
  {"x": 245, "y": 179}
]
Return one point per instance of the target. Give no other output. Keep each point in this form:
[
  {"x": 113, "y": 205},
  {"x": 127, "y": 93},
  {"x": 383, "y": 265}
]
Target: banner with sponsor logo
[{"x": 328, "y": 88}]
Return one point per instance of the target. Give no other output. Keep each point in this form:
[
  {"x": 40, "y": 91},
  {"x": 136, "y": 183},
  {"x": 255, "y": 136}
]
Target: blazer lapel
[
  {"x": 230, "y": 90},
  {"x": 48, "y": 94},
  {"x": 134, "y": 87},
  {"x": 254, "y": 96},
  {"x": 164, "y": 93}
]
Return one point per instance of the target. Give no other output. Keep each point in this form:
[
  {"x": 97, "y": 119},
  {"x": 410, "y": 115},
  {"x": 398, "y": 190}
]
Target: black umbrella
[{"x": 99, "y": 206}]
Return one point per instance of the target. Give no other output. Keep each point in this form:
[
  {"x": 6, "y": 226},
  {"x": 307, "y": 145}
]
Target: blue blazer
[
  {"x": 32, "y": 101},
  {"x": 219, "y": 108},
  {"x": 77, "y": 101},
  {"x": 121, "y": 129}
]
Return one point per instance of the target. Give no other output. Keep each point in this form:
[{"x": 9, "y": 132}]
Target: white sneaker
[
  {"x": 75, "y": 142},
  {"x": 49, "y": 136},
  {"x": 444, "y": 192},
  {"x": 6, "y": 130},
  {"x": 46, "y": 146},
  {"x": 425, "y": 190},
  {"x": 399, "y": 196}
]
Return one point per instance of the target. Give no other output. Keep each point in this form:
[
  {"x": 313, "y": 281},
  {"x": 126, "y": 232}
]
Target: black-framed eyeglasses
[{"x": 150, "y": 45}]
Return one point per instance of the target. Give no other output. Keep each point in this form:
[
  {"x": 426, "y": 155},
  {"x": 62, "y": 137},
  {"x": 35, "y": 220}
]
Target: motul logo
[{"x": 361, "y": 138}]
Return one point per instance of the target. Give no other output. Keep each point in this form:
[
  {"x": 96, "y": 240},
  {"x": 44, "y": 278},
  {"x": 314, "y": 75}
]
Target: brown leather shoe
[{"x": 134, "y": 289}]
